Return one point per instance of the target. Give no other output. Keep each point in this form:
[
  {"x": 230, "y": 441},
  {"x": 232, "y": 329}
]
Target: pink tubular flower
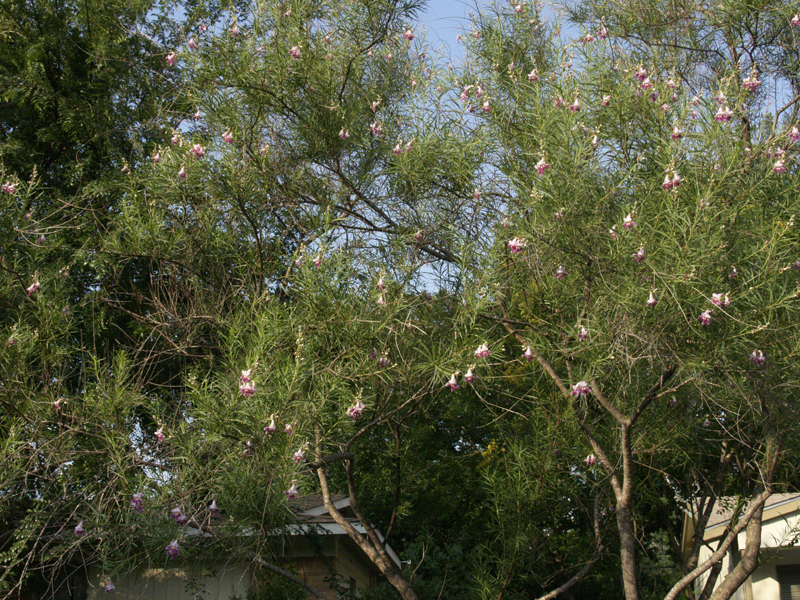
[
  {"x": 318, "y": 260},
  {"x": 398, "y": 148},
  {"x": 613, "y": 232},
  {"x": 409, "y": 35},
  {"x": 182, "y": 173},
  {"x": 516, "y": 245},
  {"x": 482, "y": 351},
  {"x": 476, "y": 194},
  {"x": 581, "y": 388},
  {"x": 541, "y": 166},
  {"x": 641, "y": 74},
  {"x": 9, "y": 187},
  {"x": 270, "y": 429},
  {"x": 213, "y": 508},
  {"x": 193, "y": 44},
  {"x": 794, "y": 135},
  {"x": 381, "y": 285},
  {"x": 533, "y": 75},
  {"x": 79, "y": 530},
  {"x": 587, "y": 39},
  {"x": 298, "y": 456},
  {"x": 227, "y": 136},
  {"x": 292, "y": 492},
  {"x": 234, "y": 31},
  {"x": 575, "y": 106},
  {"x": 628, "y": 223},
  {"x": 758, "y": 358},
  {"x": 733, "y": 274},
  {"x": 723, "y": 115},
  {"x": 583, "y": 334},
  {"x": 289, "y": 429},
  {"x": 795, "y": 20},
  {"x": 176, "y": 514},
  {"x": 176, "y": 139},
  {"x": 248, "y": 389},
  {"x": 705, "y": 317},
  {"x": 137, "y": 503},
  {"x": 647, "y": 84},
  {"x": 561, "y": 272},
  {"x": 156, "y": 158},
  {"x": 778, "y": 167},
  {"x": 590, "y": 460},
  {"x": 639, "y": 255},
  {"x": 671, "y": 84},
  {"x": 606, "y": 100},
  {"x": 355, "y": 411},
  {"x": 651, "y": 301},
  {"x": 33, "y": 288},
  {"x": 677, "y": 133},
  {"x": 453, "y": 383},
  {"x": 376, "y": 128},
  {"x": 198, "y": 151},
  {"x": 720, "y": 300},
  {"x": 245, "y": 377},
  {"x": 344, "y": 134},
  {"x": 109, "y": 586},
  {"x": 295, "y": 52},
  {"x": 676, "y": 179},
  {"x": 486, "y": 106},
  {"x": 602, "y": 33},
  {"x": 528, "y": 354},
  {"x": 469, "y": 377},
  {"x": 197, "y": 115},
  {"x": 171, "y": 59},
  {"x": 160, "y": 435},
  {"x": 751, "y": 83},
  {"x": 173, "y": 550},
  {"x": 419, "y": 235}
]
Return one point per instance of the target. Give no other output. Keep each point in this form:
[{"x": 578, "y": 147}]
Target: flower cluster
[
  {"x": 758, "y": 358},
  {"x": 173, "y": 550},
  {"x": 581, "y": 389},
  {"x": 482, "y": 351},
  {"x": 177, "y": 515},
  {"x": 137, "y": 503},
  {"x": 671, "y": 182},
  {"x": 355, "y": 411},
  {"x": 516, "y": 245}
]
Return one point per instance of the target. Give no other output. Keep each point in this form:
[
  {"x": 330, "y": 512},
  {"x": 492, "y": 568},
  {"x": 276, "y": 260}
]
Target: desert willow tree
[
  {"x": 649, "y": 273},
  {"x": 269, "y": 260}
]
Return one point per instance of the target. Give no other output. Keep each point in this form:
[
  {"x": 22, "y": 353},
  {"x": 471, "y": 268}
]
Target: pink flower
[
  {"x": 354, "y": 412},
  {"x": 295, "y": 52},
  {"x": 469, "y": 377},
  {"x": 628, "y": 223},
  {"x": 558, "y": 215},
  {"x": 381, "y": 301},
  {"x": 778, "y": 167},
  {"x": 298, "y": 456},
  {"x": 109, "y": 586},
  {"x": 590, "y": 460},
  {"x": 587, "y": 39},
  {"x": 213, "y": 508},
  {"x": 594, "y": 142},
  {"x": 344, "y": 134},
  {"x": 602, "y": 33},
  {"x": 751, "y": 83},
  {"x": 758, "y": 358},
  {"x": 677, "y": 133},
  {"x": 651, "y": 301},
  {"x": 646, "y": 84},
  {"x": 733, "y": 274},
  {"x": 175, "y": 514},
  {"x": 583, "y": 334},
  {"x": 639, "y": 255},
  {"x": 398, "y": 148},
  {"x": 528, "y": 354},
  {"x": 289, "y": 429},
  {"x": 197, "y": 115},
  {"x": 558, "y": 102},
  {"x": 137, "y": 503},
  {"x": 59, "y": 400},
  {"x": 453, "y": 383},
  {"x": 318, "y": 260},
  {"x": 606, "y": 100},
  {"x": 561, "y": 272},
  {"x": 720, "y": 98},
  {"x": 376, "y": 128},
  {"x": 171, "y": 59},
  {"x": 518, "y": 8},
  {"x": 541, "y": 166},
  {"x": 234, "y": 31},
  {"x": 381, "y": 285},
  {"x": 33, "y": 288},
  {"x": 198, "y": 151},
  {"x": 176, "y": 139},
  {"x": 193, "y": 44},
  {"x": 516, "y": 245},
  {"x": 156, "y": 158},
  {"x": 418, "y": 236},
  {"x": 575, "y": 106},
  {"x": 182, "y": 173},
  {"x": 720, "y": 300},
  {"x": 676, "y": 179},
  {"x": 795, "y": 20},
  {"x": 79, "y": 530},
  {"x": 533, "y": 75},
  {"x": 40, "y": 240},
  {"x": 794, "y": 135},
  {"x": 9, "y": 187},
  {"x": 476, "y": 194},
  {"x": 695, "y": 101},
  {"x": 705, "y": 317},
  {"x": 581, "y": 388},
  {"x": 248, "y": 389},
  {"x": 486, "y": 107},
  {"x": 409, "y": 35},
  {"x": 245, "y": 377},
  {"x": 482, "y": 351},
  {"x": 641, "y": 74},
  {"x": 159, "y": 435},
  {"x": 227, "y": 136},
  {"x": 292, "y": 492},
  {"x": 270, "y": 429},
  {"x": 383, "y": 361},
  {"x": 671, "y": 84},
  {"x": 723, "y": 114},
  {"x": 173, "y": 550},
  {"x": 613, "y": 232}
]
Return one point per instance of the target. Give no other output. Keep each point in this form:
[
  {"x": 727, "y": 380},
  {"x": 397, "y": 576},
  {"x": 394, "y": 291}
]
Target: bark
[{"x": 748, "y": 562}]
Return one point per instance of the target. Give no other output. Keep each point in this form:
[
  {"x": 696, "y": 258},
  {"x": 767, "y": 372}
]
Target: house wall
[
  {"x": 190, "y": 582},
  {"x": 777, "y": 535}
]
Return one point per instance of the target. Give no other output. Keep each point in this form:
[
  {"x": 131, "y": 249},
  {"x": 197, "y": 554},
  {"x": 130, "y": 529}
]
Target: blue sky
[{"x": 445, "y": 19}]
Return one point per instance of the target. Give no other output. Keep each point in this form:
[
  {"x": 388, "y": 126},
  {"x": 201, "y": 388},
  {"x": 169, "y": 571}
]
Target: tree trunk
[{"x": 627, "y": 551}]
